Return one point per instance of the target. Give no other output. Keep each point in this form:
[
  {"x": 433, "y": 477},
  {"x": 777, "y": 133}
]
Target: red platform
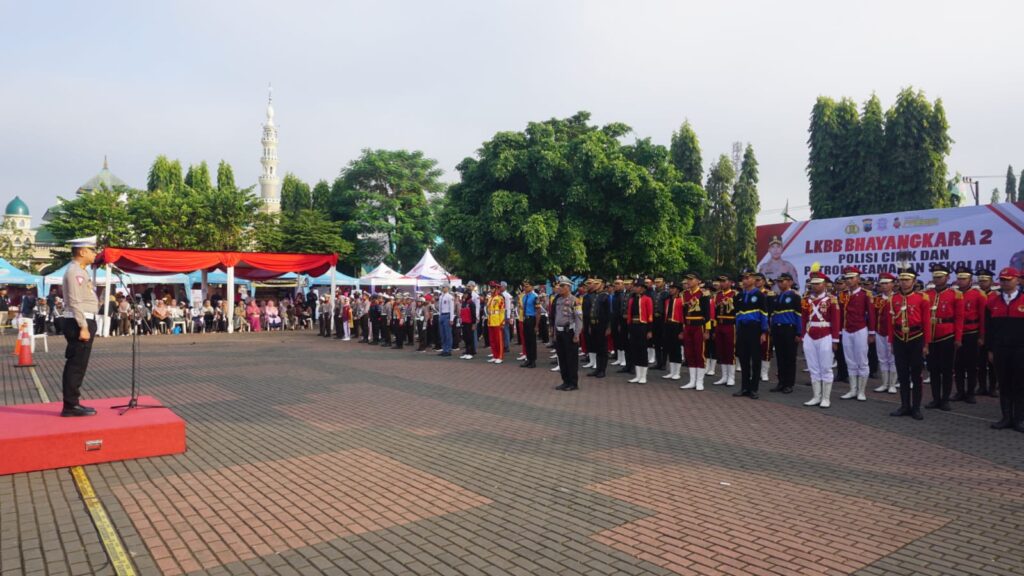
[{"x": 35, "y": 437}]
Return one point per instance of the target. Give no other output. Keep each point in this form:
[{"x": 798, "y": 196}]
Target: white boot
[
  {"x": 671, "y": 371},
  {"x": 636, "y": 377},
  {"x": 816, "y": 399},
  {"x": 732, "y": 375},
  {"x": 765, "y": 365},
  {"x": 593, "y": 360},
  {"x": 894, "y": 383},
  {"x": 693, "y": 380},
  {"x": 726, "y": 368},
  {"x": 615, "y": 362},
  {"x": 862, "y": 387},
  {"x": 885, "y": 382},
  {"x": 675, "y": 375},
  {"x": 643, "y": 375},
  {"x": 701, "y": 372},
  {"x": 826, "y": 394},
  {"x": 712, "y": 364},
  {"x": 853, "y": 389},
  {"x": 650, "y": 356}
]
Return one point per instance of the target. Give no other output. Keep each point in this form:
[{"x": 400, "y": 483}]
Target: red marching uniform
[
  {"x": 639, "y": 317},
  {"x": 1002, "y": 330},
  {"x": 725, "y": 327},
  {"x": 697, "y": 313}
]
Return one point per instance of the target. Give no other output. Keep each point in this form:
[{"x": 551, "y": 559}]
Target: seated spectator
[
  {"x": 124, "y": 315},
  {"x": 161, "y": 317},
  {"x": 208, "y": 315},
  {"x": 273, "y": 316},
  {"x": 239, "y": 319},
  {"x": 252, "y": 313}
]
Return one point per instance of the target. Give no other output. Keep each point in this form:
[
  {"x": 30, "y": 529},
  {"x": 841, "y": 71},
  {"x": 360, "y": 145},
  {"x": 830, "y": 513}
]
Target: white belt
[
  {"x": 87, "y": 315},
  {"x": 820, "y": 324}
]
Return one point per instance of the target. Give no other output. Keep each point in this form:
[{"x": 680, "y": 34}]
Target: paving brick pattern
[{"x": 309, "y": 455}]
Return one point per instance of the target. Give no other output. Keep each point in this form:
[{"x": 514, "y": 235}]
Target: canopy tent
[
  {"x": 325, "y": 279},
  {"x": 247, "y": 265},
  {"x": 429, "y": 273},
  {"x": 9, "y": 275},
  {"x": 215, "y": 277},
  {"x": 56, "y": 278},
  {"x": 383, "y": 275}
]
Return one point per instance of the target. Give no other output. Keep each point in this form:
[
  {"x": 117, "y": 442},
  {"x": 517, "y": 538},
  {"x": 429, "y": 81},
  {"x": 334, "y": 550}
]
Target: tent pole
[
  {"x": 105, "y": 330},
  {"x": 333, "y": 288},
  {"x": 204, "y": 287},
  {"x": 231, "y": 299}
]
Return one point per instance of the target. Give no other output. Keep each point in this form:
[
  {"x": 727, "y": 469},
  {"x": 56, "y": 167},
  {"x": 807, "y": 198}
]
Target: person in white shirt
[{"x": 445, "y": 311}]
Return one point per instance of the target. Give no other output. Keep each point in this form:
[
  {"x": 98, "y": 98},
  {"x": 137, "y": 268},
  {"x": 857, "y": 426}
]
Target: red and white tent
[{"x": 429, "y": 273}]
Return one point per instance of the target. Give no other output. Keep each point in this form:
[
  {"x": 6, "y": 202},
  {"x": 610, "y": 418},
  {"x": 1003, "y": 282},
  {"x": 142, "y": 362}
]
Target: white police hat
[{"x": 86, "y": 242}]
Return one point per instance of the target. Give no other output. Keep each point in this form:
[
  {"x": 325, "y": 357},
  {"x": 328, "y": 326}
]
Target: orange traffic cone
[{"x": 25, "y": 350}]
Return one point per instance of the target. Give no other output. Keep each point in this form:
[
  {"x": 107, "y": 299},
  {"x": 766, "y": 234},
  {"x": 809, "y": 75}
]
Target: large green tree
[
  {"x": 225, "y": 176},
  {"x": 720, "y": 225},
  {"x": 685, "y": 152},
  {"x": 381, "y": 198},
  {"x": 867, "y": 178},
  {"x": 748, "y": 204},
  {"x": 565, "y": 196},
  {"x": 101, "y": 212},
  {"x": 311, "y": 231},
  {"x": 916, "y": 145},
  {"x": 824, "y": 145},
  {"x": 164, "y": 174},
  {"x": 295, "y": 195}
]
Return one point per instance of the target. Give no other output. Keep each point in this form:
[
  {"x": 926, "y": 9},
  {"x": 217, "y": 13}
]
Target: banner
[{"x": 990, "y": 236}]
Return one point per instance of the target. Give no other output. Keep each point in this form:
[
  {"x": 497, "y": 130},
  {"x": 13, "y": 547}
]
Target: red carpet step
[{"x": 36, "y": 437}]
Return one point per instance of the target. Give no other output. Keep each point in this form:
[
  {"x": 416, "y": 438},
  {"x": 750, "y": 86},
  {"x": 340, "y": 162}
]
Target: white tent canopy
[
  {"x": 429, "y": 273},
  {"x": 383, "y": 275}
]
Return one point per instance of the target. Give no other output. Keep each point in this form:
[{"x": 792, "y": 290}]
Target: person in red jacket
[
  {"x": 966, "y": 366},
  {"x": 947, "y": 327},
  {"x": 640, "y": 320},
  {"x": 672, "y": 330},
  {"x": 909, "y": 336},
  {"x": 697, "y": 314},
  {"x": 1002, "y": 331},
  {"x": 819, "y": 332},
  {"x": 883, "y": 326},
  {"x": 725, "y": 331},
  {"x": 858, "y": 318}
]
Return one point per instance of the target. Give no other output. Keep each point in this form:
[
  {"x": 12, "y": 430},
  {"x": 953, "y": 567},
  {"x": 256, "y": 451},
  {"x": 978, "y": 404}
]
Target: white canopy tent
[
  {"x": 428, "y": 272},
  {"x": 383, "y": 275}
]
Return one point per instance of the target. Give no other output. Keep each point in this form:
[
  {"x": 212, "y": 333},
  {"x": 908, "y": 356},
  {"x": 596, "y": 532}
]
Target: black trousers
[
  {"x": 966, "y": 367},
  {"x": 385, "y": 331},
  {"x": 568, "y": 363},
  {"x": 637, "y": 352},
  {"x": 670, "y": 342},
  {"x": 1009, "y": 365},
  {"x": 909, "y": 358},
  {"x": 544, "y": 329},
  {"x": 76, "y": 358},
  {"x": 364, "y": 330},
  {"x": 530, "y": 337},
  {"x": 378, "y": 334},
  {"x": 748, "y": 350},
  {"x": 784, "y": 339},
  {"x": 659, "y": 345},
  {"x": 987, "y": 381},
  {"x": 467, "y": 335},
  {"x": 940, "y": 367},
  {"x": 597, "y": 342},
  {"x": 410, "y": 331},
  {"x": 397, "y": 332}
]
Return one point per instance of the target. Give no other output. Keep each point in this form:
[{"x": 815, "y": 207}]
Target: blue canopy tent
[
  {"x": 11, "y": 276},
  {"x": 325, "y": 280},
  {"x": 216, "y": 277}
]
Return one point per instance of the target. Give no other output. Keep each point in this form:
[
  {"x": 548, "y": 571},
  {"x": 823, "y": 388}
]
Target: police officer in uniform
[
  {"x": 568, "y": 325},
  {"x": 80, "y": 309},
  {"x": 597, "y": 328},
  {"x": 751, "y": 333}
]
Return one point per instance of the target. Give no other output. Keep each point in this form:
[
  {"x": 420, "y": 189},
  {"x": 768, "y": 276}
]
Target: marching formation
[{"x": 969, "y": 337}]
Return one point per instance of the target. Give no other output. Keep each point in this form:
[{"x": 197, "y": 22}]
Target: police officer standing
[
  {"x": 751, "y": 333},
  {"x": 568, "y": 325},
  {"x": 1003, "y": 332},
  {"x": 785, "y": 324},
  {"x": 80, "y": 309}
]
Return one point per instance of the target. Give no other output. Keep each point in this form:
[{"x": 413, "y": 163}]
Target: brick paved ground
[{"x": 309, "y": 455}]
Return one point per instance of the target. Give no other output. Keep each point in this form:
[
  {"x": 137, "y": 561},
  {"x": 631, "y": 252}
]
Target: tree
[
  {"x": 225, "y": 176},
  {"x": 823, "y": 145},
  {"x": 99, "y": 212},
  {"x": 295, "y": 195},
  {"x": 266, "y": 233},
  {"x": 321, "y": 197},
  {"x": 916, "y": 146},
  {"x": 1011, "y": 185},
  {"x": 720, "y": 224},
  {"x": 565, "y": 196},
  {"x": 995, "y": 199},
  {"x": 685, "y": 153},
  {"x": 1020, "y": 188},
  {"x": 198, "y": 177},
  {"x": 164, "y": 175},
  {"x": 311, "y": 231},
  {"x": 382, "y": 199},
  {"x": 747, "y": 203},
  {"x": 867, "y": 179}
]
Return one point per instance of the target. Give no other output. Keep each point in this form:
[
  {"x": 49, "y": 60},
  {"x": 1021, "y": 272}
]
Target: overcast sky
[{"x": 132, "y": 80}]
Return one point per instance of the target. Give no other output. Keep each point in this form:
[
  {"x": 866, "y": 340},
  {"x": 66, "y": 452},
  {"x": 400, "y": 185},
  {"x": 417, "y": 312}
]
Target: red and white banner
[{"x": 990, "y": 236}]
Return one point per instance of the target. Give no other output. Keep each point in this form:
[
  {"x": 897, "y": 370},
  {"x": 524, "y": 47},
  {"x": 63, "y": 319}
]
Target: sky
[{"x": 132, "y": 80}]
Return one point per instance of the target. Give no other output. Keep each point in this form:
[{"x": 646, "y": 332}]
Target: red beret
[
  {"x": 851, "y": 271},
  {"x": 1008, "y": 273}
]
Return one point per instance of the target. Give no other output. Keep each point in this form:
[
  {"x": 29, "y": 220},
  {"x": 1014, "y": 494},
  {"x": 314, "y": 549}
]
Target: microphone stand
[{"x": 133, "y": 401}]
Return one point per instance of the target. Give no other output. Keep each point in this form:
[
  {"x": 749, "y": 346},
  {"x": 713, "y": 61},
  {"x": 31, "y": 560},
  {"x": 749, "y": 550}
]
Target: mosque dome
[{"x": 16, "y": 207}]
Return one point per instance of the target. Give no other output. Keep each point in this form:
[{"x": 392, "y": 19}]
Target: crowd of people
[{"x": 967, "y": 335}]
